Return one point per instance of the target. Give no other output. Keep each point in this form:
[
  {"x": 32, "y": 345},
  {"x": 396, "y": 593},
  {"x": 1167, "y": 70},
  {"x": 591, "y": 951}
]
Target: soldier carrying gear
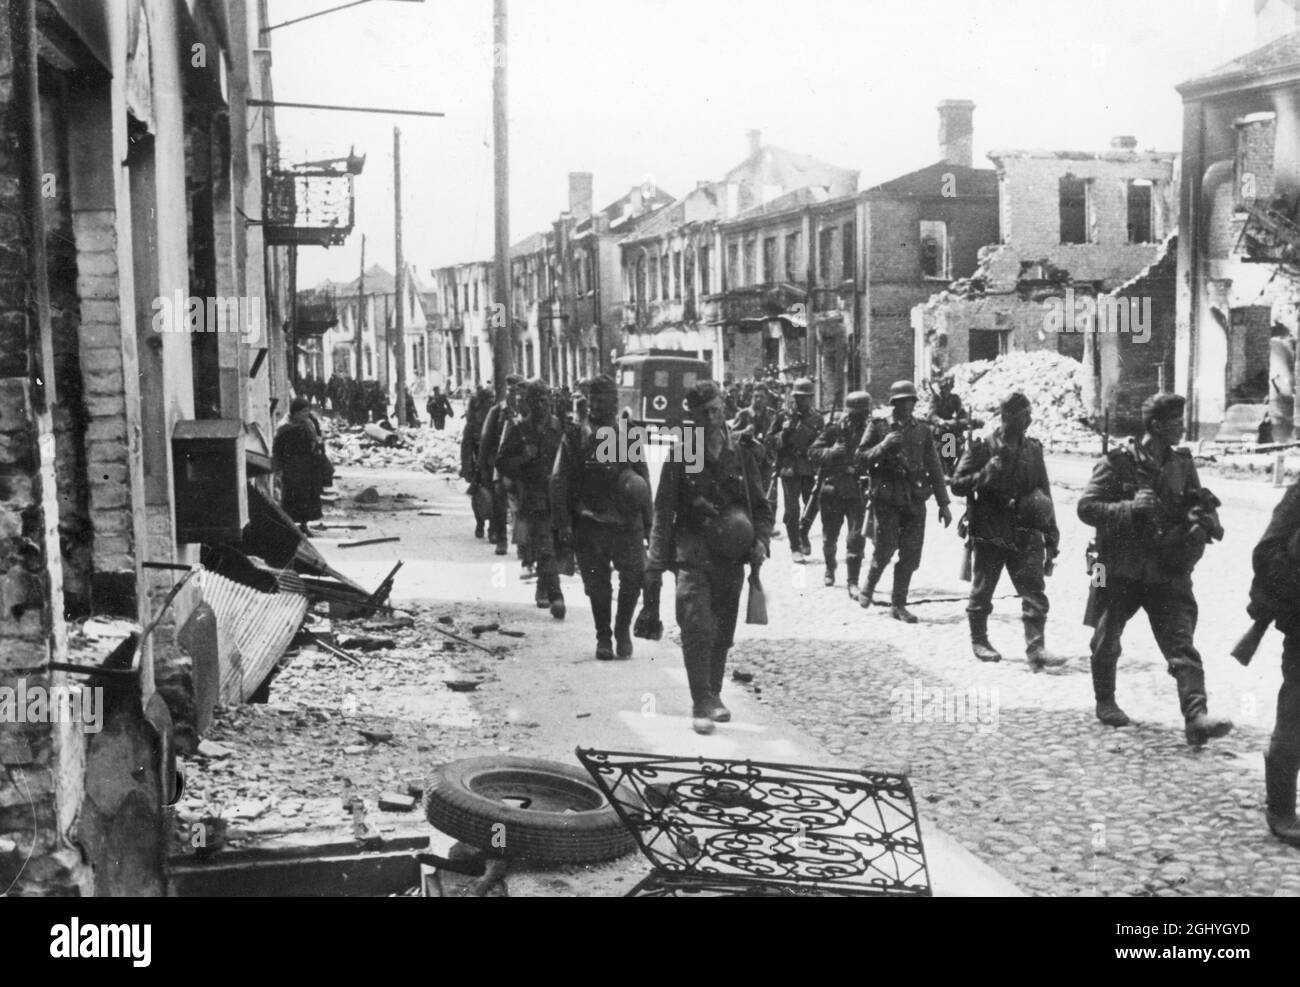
[
  {"x": 842, "y": 498},
  {"x": 494, "y": 426},
  {"x": 949, "y": 421},
  {"x": 527, "y": 453},
  {"x": 796, "y": 430},
  {"x": 1136, "y": 490},
  {"x": 1012, "y": 524},
  {"x": 904, "y": 465},
  {"x": 603, "y": 515},
  {"x": 1275, "y": 598},
  {"x": 753, "y": 428},
  {"x": 695, "y": 534}
]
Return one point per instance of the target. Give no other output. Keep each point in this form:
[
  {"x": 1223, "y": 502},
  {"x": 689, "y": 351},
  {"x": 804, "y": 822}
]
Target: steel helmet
[
  {"x": 730, "y": 535},
  {"x": 900, "y": 390},
  {"x": 857, "y": 401},
  {"x": 1034, "y": 510},
  {"x": 804, "y": 385},
  {"x": 632, "y": 493}
]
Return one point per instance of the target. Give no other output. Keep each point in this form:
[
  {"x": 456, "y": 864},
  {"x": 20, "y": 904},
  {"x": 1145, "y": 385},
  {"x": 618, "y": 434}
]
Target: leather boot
[
  {"x": 627, "y": 599},
  {"x": 853, "y": 567},
  {"x": 600, "y": 606},
  {"x": 717, "y": 674},
  {"x": 1280, "y": 770},
  {"x": 829, "y": 578},
  {"x": 698, "y": 677},
  {"x": 1199, "y": 725},
  {"x": 979, "y": 637},
  {"x": 868, "y": 594},
  {"x": 804, "y": 544},
  {"x": 1109, "y": 713},
  {"x": 1035, "y": 649}
]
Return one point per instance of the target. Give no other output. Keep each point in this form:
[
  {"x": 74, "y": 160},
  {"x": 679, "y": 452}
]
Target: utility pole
[
  {"x": 399, "y": 285},
  {"x": 361, "y": 306},
  {"x": 499, "y": 321}
]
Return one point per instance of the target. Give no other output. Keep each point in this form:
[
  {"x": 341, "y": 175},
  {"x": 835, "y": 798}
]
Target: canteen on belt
[{"x": 730, "y": 535}]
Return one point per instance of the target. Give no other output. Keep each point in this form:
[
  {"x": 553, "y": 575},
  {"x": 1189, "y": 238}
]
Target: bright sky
[{"x": 667, "y": 89}]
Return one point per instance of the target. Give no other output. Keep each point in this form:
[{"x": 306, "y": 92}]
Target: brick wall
[{"x": 39, "y": 763}]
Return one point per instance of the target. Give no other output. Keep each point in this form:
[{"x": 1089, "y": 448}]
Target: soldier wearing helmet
[
  {"x": 949, "y": 421},
  {"x": 602, "y": 510},
  {"x": 904, "y": 465},
  {"x": 842, "y": 498},
  {"x": 527, "y": 453},
  {"x": 707, "y": 525},
  {"x": 1138, "y": 499},
  {"x": 1003, "y": 477},
  {"x": 494, "y": 426},
  {"x": 796, "y": 430}
]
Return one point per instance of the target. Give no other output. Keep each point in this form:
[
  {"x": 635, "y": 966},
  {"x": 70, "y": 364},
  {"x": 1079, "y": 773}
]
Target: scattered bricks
[
  {"x": 742, "y": 676},
  {"x": 507, "y": 633},
  {"x": 377, "y": 736},
  {"x": 213, "y": 750},
  {"x": 478, "y": 629},
  {"x": 393, "y": 802},
  {"x": 367, "y": 496},
  {"x": 461, "y": 685}
]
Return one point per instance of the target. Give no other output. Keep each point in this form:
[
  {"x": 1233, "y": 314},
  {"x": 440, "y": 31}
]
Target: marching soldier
[
  {"x": 753, "y": 427},
  {"x": 904, "y": 465},
  {"x": 603, "y": 512},
  {"x": 1012, "y": 525},
  {"x": 796, "y": 431},
  {"x": 527, "y": 453},
  {"x": 949, "y": 421},
  {"x": 1139, "y": 499},
  {"x": 707, "y": 525},
  {"x": 494, "y": 425},
  {"x": 842, "y": 499},
  {"x": 1275, "y": 598}
]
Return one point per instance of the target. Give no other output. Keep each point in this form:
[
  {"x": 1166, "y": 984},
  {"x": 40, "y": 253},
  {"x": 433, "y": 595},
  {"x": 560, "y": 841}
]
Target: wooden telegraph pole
[
  {"x": 499, "y": 320},
  {"x": 399, "y": 284},
  {"x": 361, "y": 309}
]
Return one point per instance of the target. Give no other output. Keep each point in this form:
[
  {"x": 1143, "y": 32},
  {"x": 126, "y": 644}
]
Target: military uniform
[
  {"x": 528, "y": 451},
  {"x": 708, "y": 585},
  {"x": 842, "y": 498},
  {"x": 797, "y": 430},
  {"x": 948, "y": 437},
  {"x": 1275, "y": 597},
  {"x": 607, "y": 531},
  {"x": 753, "y": 428},
  {"x": 995, "y": 475},
  {"x": 902, "y": 480},
  {"x": 1142, "y": 570},
  {"x": 494, "y": 426}
]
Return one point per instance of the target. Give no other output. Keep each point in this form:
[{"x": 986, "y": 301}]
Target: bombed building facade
[{"x": 1084, "y": 267}]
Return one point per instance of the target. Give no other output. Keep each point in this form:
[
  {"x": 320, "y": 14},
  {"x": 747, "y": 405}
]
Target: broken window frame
[
  {"x": 1150, "y": 219},
  {"x": 936, "y": 230},
  {"x": 1088, "y": 206}
]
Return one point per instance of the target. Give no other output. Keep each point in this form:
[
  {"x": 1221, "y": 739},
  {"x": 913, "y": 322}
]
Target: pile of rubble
[
  {"x": 398, "y": 448},
  {"x": 1053, "y": 383}
]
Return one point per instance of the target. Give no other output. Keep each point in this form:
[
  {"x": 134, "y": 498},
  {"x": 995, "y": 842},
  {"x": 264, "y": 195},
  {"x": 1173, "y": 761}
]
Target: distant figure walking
[
  {"x": 439, "y": 409},
  {"x": 295, "y": 455}
]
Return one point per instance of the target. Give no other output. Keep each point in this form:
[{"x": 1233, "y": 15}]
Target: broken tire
[{"x": 526, "y": 809}]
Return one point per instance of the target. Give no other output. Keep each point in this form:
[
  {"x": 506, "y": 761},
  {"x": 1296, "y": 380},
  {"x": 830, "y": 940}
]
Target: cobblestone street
[{"x": 1014, "y": 764}]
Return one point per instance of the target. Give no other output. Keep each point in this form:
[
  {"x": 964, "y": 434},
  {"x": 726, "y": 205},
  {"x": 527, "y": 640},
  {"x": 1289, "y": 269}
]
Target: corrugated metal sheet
[{"x": 260, "y": 625}]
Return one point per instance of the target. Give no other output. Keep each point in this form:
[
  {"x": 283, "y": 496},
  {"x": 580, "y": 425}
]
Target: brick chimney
[
  {"x": 580, "y": 195},
  {"x": 956, "y": 131},
  {"x": 1124, "y": 142},
  {"x": 755, "y": 141},
  {"x": 1274, "y": 18}
]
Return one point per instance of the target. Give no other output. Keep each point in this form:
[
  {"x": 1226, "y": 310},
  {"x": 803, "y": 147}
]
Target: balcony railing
[
  {"x": 308, "y": 207},
  {"x": 316, "y": 313}
]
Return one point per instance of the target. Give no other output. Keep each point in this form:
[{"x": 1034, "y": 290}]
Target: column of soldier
[{"x": 874, "y": 475}]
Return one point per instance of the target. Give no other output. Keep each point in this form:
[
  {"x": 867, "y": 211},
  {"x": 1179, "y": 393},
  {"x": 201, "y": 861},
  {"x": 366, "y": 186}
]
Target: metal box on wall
[{"x": 210, "y": 480}]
